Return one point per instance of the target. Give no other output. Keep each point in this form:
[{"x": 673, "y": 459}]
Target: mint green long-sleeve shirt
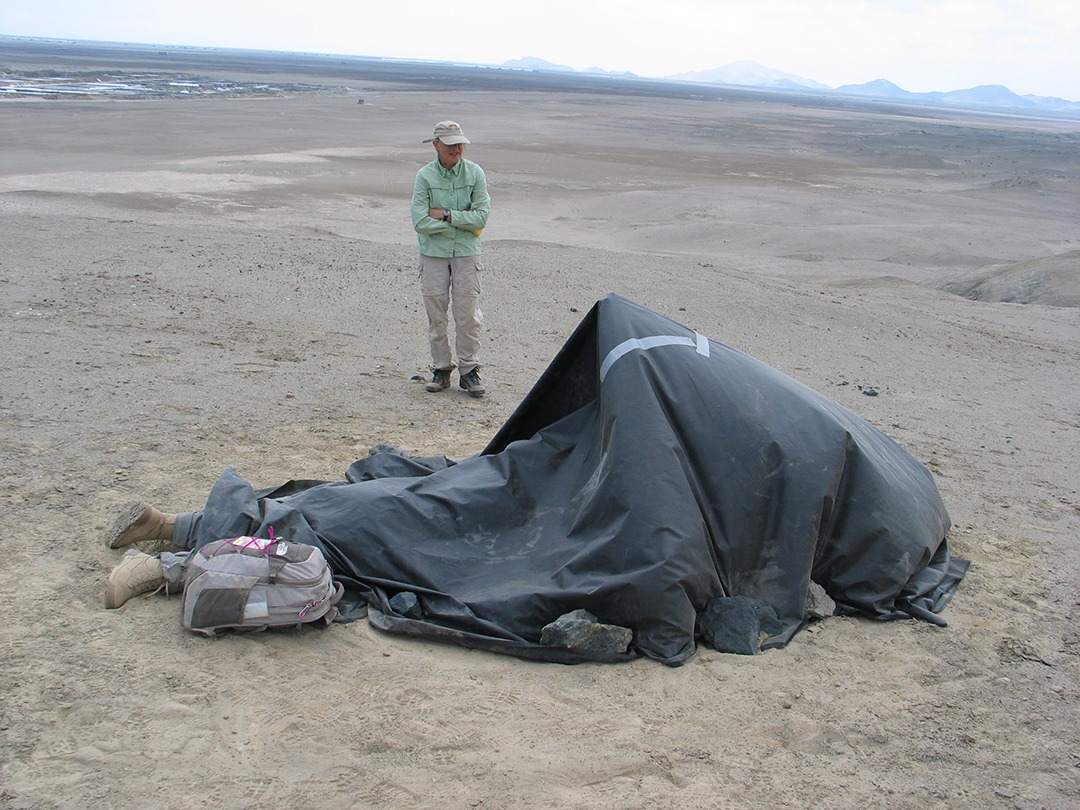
[{"x": 463, "y": 191}]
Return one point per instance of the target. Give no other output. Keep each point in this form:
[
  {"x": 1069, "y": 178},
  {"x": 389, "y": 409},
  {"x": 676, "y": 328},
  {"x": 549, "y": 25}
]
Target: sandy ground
[{"x": 192, "y": 283}]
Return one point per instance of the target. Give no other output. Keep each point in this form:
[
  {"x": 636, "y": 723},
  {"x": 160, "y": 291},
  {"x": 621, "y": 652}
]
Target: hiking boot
[
  {"x": 471, "y": 383},
  {"x": 138, "y": 522},
  {"x": 439, "y": 380},
  {"x": 137, "y": 573}
]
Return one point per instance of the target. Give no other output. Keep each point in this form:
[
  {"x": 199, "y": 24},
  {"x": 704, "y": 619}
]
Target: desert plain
[{"x": 190, "y": 280}]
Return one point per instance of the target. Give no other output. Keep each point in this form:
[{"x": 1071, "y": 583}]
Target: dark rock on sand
[{"x": 580, "y": 630}]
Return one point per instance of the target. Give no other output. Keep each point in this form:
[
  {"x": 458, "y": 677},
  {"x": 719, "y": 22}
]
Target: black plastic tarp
[{"x": 648, "y": 471}]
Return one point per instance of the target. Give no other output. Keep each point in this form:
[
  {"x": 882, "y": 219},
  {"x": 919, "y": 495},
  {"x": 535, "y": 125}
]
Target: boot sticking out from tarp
[{"x": 141, "y": 522}]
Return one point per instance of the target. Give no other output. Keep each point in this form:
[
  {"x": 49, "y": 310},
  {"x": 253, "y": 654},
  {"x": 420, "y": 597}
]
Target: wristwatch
[{"x": 446, "y": 216}]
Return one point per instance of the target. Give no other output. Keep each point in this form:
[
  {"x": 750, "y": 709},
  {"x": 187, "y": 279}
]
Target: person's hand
[{"x": 436, "y": 213}]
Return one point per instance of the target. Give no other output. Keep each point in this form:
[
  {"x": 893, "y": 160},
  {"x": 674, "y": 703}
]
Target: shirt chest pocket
[{"x": 454, "y": 198}]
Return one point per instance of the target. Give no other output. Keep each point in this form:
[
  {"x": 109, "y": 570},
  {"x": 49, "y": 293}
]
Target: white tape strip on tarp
[{"x": 699, "y": 342}]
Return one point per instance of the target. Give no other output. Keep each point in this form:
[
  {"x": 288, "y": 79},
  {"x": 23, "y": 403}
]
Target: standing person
[{"x": 450, "y": 207}]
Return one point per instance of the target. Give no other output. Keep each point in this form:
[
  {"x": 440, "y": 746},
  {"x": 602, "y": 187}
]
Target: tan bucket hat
[{"x": 448, "y": 132}]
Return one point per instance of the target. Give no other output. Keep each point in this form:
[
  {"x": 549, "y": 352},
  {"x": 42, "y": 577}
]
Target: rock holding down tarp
[
  {"x": 579, "y": 630},
  {"x": 818, "y": 603},
  {"x": 407, "y": 604},
  {"x": 737, "y": 624}
]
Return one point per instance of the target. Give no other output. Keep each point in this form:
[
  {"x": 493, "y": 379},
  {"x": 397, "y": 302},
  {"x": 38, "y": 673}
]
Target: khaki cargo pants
[{"x": 457, "y": 279}]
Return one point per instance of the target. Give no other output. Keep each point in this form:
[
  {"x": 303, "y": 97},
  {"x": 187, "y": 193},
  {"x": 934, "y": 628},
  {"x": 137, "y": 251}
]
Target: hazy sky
[{"x": 1030, "y": 46}]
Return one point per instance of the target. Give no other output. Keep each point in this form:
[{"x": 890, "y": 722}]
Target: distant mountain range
[
  {"x": 533, "y": 63},
  {"x": 753, "y": 74}
]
